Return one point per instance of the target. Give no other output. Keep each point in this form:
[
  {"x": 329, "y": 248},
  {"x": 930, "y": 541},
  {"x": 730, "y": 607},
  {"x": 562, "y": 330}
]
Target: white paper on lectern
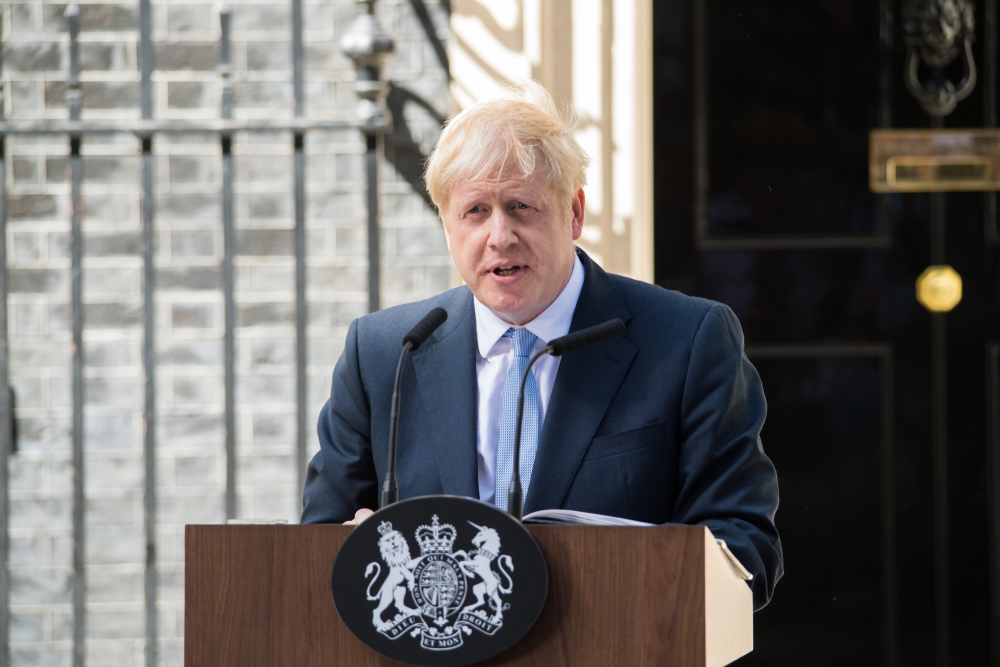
[{"x": 575, "y": 518}]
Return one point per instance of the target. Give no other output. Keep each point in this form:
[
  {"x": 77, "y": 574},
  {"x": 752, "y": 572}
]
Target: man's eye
[
  {"x": 521, "y": 205},
  {"x": 475, "y": 209}
]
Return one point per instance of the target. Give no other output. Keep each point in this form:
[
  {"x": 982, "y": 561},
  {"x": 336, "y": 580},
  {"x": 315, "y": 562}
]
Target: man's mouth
[{"x": 504, "y": 271}]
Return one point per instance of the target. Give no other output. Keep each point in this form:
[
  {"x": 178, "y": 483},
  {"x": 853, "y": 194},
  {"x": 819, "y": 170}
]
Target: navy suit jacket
[{"x": 660, "y": 424}]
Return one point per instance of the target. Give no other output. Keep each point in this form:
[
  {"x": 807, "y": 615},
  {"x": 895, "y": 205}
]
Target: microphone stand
[
  {"x": 390, "y": 488},
  {"x": 559, "y": 346},
  {"x": 411, "y": 341}
]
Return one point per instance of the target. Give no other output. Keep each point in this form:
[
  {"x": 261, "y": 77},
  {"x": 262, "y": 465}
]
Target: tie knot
[{"x": 523, "y": 341}]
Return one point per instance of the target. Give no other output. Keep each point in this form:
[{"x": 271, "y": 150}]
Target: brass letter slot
[
  {"x": 930, "y": 170},
  {"x": 934, "y": 160}
]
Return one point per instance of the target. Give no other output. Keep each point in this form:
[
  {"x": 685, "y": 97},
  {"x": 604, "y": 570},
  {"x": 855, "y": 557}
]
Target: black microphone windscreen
[
  {"x": 425, "y": 328},
  {"x": 589, "y": 336}
]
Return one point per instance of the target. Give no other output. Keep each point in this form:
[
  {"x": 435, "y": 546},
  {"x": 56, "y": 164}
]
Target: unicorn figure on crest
[{"x": 479, "y": 563}]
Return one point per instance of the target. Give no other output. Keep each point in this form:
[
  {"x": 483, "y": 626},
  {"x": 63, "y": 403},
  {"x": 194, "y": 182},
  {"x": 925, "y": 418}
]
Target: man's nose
[{"x": 501, "y": 230}]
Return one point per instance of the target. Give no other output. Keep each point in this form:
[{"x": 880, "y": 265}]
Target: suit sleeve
[
  {"x": 726, "y": 481},
  {"x": 341, "y": 478}
]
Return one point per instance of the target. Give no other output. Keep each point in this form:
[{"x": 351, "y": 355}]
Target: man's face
[{"x": 512, "y": 241}]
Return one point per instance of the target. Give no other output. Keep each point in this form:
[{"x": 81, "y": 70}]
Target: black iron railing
[{"x": 368, "y": 47}]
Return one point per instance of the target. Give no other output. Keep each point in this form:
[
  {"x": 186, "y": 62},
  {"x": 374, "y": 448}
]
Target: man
[{"x": 660, "y": 424}]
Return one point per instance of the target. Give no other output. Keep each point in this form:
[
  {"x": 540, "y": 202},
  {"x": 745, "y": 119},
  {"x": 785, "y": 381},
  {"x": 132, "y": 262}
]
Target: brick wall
[{"x": 189, "y": 301}]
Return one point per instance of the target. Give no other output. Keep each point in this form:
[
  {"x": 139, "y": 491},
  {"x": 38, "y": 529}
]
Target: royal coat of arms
[{"x": 428, "y": 593}]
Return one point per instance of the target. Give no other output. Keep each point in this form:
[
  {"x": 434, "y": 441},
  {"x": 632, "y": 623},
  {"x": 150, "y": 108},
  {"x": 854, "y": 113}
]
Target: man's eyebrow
[{"x": 529, "y": 195}]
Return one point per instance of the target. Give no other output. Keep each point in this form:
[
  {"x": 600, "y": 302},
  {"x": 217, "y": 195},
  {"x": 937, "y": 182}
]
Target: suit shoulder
[
  {"x": 394, "y": 322},
  {"x": 645, "y": 300}
]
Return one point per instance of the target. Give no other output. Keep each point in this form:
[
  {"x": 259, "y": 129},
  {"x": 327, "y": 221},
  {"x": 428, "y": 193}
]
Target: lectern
[{"x": 259, "y": 595}]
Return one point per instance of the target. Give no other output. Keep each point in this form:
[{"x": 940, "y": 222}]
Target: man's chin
[
  {"x": 517, "y": 311},
  {"x": 510, "y": 308}
]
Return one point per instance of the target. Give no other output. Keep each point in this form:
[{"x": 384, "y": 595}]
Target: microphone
[
  {"x": 425, "y": 328},
  {"x": 568, "y": 343},
  {"x": 418, "y": 336},
  {"x": 585, "y": 337}
]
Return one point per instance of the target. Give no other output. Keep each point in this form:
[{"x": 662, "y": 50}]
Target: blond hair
[{"x": 526, "y": 127}]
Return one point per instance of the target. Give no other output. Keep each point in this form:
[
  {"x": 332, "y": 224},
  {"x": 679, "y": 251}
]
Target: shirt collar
[{"x": 550, "y": 324}]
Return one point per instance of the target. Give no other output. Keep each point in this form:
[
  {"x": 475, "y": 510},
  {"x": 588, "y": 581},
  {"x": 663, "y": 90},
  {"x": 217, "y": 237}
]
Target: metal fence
[{"x": 367, "y": 46}]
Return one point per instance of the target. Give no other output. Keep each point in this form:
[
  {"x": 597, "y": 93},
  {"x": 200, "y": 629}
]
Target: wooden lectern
[{"x": 259, "y": 595}]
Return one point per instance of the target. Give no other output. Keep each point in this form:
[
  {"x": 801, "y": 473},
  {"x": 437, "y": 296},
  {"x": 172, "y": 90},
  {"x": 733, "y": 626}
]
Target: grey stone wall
[{"x": 189, "y": 301}]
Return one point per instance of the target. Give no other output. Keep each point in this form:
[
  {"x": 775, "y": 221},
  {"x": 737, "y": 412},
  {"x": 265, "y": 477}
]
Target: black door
[{"x": 882, "y": 416}]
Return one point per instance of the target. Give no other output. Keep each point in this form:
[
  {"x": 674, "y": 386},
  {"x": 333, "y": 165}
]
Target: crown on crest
[
  {"x": 435, "y": 538},
  {"x": 385, "y": 528}
]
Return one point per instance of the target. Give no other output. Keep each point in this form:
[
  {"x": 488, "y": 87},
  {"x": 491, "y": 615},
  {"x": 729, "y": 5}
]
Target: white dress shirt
[{"x": 493, "y": 358}]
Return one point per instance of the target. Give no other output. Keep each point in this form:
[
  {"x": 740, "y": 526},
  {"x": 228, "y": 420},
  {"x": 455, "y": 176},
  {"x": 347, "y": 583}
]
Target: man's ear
[{"x": 578, "y": 206}]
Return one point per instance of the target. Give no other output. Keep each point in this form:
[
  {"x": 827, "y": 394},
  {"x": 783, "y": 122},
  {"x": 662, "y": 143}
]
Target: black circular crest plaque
[{"x": 440, "y": 581}]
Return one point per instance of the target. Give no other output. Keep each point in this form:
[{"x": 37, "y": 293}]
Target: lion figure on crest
[
  {"x": 479, "y": 563},
  {"x": 396, "y": 554}
]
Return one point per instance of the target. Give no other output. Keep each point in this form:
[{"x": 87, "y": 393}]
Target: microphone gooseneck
[
  {"x": 417, "y": 336},
  {"x": 568, "y": 343}
]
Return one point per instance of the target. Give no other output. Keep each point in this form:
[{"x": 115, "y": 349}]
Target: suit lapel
[
  {"x": 446, "y": 376},
  {"x": 585, "y": 384}
]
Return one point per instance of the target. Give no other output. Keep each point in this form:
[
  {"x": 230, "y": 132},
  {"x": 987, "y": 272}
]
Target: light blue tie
[{"x": 523, "y": 341}]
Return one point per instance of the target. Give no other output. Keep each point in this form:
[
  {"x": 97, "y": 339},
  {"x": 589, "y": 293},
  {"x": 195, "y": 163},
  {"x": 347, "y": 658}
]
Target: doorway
[{"x": 882, "y": 416}]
